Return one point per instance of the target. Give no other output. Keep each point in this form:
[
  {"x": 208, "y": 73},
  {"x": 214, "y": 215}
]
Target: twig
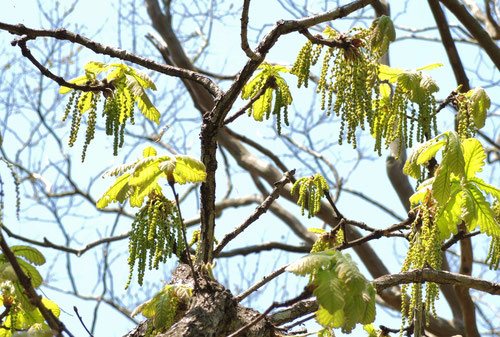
[
  {"x": 260, "y": 283},
  {"x": 305, "y": 294},
  {"x": 409, "y": 330},
  {"x": 329, "y": 43},
  {"x": 102, "y": 86},
  {"x": 330, "y": 201},
  {"x": 244, "y": 30},
  {"x": 264, "y": 247},
  {"x": 457, "y": 237},
  {"x": 77, "y": 252},
  {"x": 265, "y": 151},
  {"x": 183, "y": 226},
  {"x": 75, "y": 309},
  {"x": 261, "y": 209}
]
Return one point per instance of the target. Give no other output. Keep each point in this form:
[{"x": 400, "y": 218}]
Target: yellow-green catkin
[
  {"x": 155, "y": 236},
  {"x": 424, "y": 252},
  {"x": 349, "y": 73},
  {"x": 310, "y": 190}
]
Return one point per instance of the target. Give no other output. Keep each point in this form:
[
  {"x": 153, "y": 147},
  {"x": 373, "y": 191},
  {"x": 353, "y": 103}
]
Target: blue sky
[{"x": 98, "y": 19}]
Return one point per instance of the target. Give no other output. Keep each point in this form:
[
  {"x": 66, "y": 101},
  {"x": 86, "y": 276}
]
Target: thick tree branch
[
  {"x": 449, "y": 44},
  {"x": 482, "y": 36}
]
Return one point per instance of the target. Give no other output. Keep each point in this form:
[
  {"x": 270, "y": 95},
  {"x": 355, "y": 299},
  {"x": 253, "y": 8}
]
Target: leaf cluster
[
  {"x": 458, "y": 194},
  {"x": 345, "y": 297},
  {"x": 22, "y": 315},
  {"x": 164, "y": 308},
  {"x": 137, "y": 180},
  {"x": 272, "y": 83},
  {"x": 126, "y": 87}
]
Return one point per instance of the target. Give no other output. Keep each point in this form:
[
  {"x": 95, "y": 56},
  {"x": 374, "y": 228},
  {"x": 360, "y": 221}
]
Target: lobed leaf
[{"x": 30, "y": 254}]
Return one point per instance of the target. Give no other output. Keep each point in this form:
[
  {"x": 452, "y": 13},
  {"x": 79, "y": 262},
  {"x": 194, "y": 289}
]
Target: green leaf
[
  {"x": 452, "y": 162},
  {"x": 189, "y": 170},
  {"x": 423, "y": 189},
  {"x": 80, "y": 80},
  {"x": 428, "y": 150},
  {"x": 85, "y": 102},
  {"x": 31, "y": 272},
  {"x": 149, "y": 151},
  {"x": 370, "y": 329},
  {"x": 430, "y": 66},
  {"x": 390, "y": 74},
  {"x": 95, "y": 67},
  {"x": 144, "y": 80},
  {"x": 368, "y": 298},
  {"x": 119, "y": 191},
  {"x": 164, "y": 311},
  {"x": 478, "y": 212},
  {"x": 485, "y": 187},
  {"x": 31, "y": 254},
  {"x": 383, "y": 33},
  {"x": 147, "y": 108},
  {"x": 328, "y": 320},
  {"x": 311, "y": 263},
  {"x": 52, "y": 306},
  {"x": 479, "y": 103},
  {"x": 329, "y": 290},
  {"x": 474, "y": 156},
  {"x": 453, "y": 155},
  {"x": 348, "y": 272},
  {"x": 316, "y": 230},
  {"x": 262, "y": 106},
  {"x": 449, "y": 215}
]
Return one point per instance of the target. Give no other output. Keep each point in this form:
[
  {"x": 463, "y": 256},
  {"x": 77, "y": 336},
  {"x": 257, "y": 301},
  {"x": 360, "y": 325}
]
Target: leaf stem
[{"x": 183, "y": 229}]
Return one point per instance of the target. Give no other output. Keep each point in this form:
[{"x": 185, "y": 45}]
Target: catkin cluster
[
  {"x": 348, "y": 73},
  {"x": 310, "y": 191},
  {"x": 156, "y": 234},
  {"x": 272, "y": 83},
  {"x": 118, "y": 108},
  {"x": 424, "y": 252}
]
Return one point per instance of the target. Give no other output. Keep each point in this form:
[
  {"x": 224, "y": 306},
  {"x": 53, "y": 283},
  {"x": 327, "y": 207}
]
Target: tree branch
[
  {"x": 63, "y": 34},
  {"x": 436, "y": 276},
  {"x": 482, "y": 36},
  {"x": 449, "y": 44},
  {"x": 244, "y": 30},
  {"x": 257, "y": 213}
]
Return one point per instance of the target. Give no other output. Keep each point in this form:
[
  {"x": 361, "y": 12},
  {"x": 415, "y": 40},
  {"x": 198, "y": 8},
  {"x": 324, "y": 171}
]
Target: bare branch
[
  {"x": 475, "y": 29},
  {"x": 436, "y": 276},
  {"x": 244, "y": 31}
]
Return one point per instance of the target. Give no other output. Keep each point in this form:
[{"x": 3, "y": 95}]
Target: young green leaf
[
  {"x": 311, "y": 263},
  {"x": 479, "y": 103},
  {"x": 30, "y": 254},
  {"x": 474, "y": 156},
  {"x": 478, "y": 212}
]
